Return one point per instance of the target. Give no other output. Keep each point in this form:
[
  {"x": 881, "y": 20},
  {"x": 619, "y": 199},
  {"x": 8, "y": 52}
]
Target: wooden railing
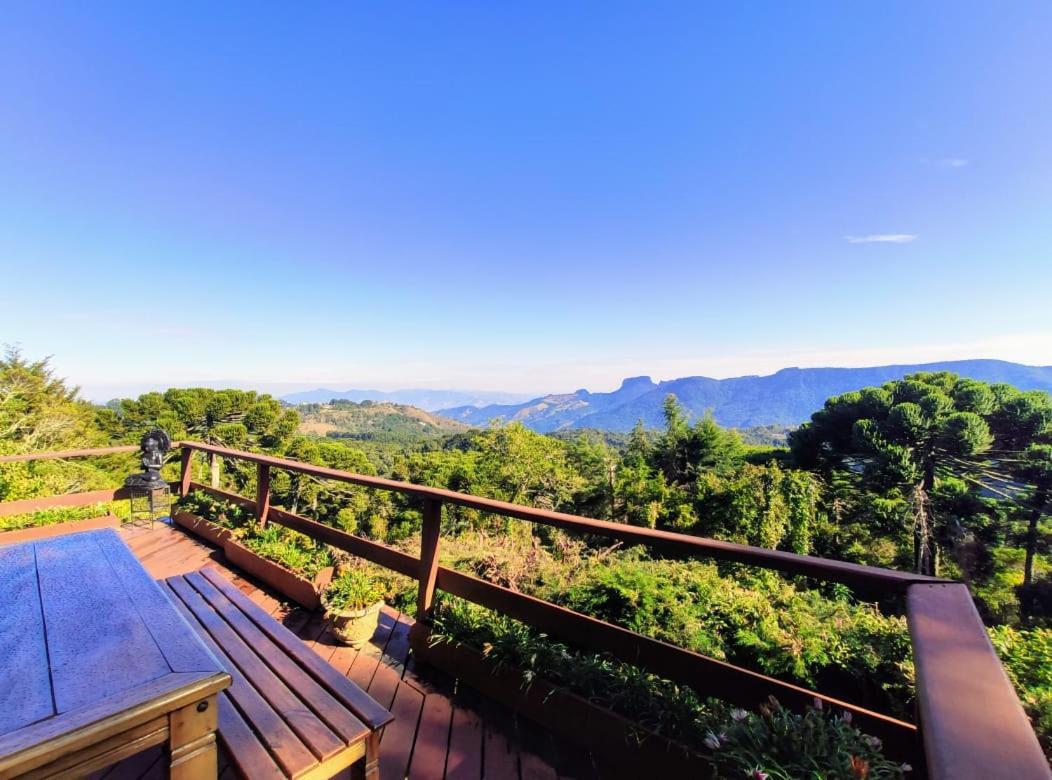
[{"x": 968, "y": 716}]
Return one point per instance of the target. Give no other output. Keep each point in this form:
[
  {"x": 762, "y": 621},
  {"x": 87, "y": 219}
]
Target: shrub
[
  {"x": 1027, "y": 658},
  {"x": 63, "y": 514},
  {"x": 757, "y": 620},
  {"x": 216, "y": 510}
]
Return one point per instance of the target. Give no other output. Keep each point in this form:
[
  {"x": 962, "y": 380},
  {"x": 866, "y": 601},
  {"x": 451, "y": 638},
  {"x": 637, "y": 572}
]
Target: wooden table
[{"x": 96, "y": 664}]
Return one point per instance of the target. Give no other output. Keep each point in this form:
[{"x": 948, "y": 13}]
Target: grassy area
[{"x": 62, "y": 514}]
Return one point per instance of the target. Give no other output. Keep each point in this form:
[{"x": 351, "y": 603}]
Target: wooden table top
[{"x": 88, "y": 638}]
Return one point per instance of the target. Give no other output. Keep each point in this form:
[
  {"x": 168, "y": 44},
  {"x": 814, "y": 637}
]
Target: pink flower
[
  {"x": 738, "y": 714},
  {"x": 905, "y": 767},
  {"x": 818, "y": 704},
  {"x": 758, "y": 774},
  {"x": 847, "y": 717},
  {"x": 712, "y": 741},
  {"x": 873, "y": 742}
]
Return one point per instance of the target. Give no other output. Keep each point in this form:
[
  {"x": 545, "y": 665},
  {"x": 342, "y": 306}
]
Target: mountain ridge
[{"x": 787, "y": 397}]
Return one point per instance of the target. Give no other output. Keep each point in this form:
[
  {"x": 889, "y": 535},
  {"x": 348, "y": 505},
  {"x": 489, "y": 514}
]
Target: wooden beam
[
  {"x": 429, "y": 543},
  {"x": 88, "y": 453},
  {"x": 262, "y": 493},
  {"x": 186, "y": 471},
  {"x": 970, "y": 718}
]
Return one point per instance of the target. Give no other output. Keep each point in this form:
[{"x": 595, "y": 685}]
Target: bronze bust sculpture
[{"x": 153, "y": 445}]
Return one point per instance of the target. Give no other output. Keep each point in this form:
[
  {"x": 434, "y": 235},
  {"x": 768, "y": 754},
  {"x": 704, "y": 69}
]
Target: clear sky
[{"x": 522, "y": 196}]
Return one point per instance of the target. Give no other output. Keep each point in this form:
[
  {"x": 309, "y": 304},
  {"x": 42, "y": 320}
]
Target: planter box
[
  {"x": 304, "y": 592},
  {"x": 625, "y": 744},
  {"x": 207, "y": 530},
  {"x": 58, "y": 529}
]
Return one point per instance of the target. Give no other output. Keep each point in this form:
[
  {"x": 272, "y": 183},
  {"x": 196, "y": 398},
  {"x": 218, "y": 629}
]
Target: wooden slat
[
  {"x": 243, "y": 746},
  {"x": 432, "y": 739},
  {"x": 98, "y": 644},
  {"x": 325, "y": 706},
  {"x": 287, "y": 748},
  {"x": 25, "y": 684},
  {"x": 343, "y": 689},
  {"x": 464, "y": 760},
  {"x": 971, "y": 720},
  {"x": 322, "y": 742},
  {"x": 396, "y": 745}
]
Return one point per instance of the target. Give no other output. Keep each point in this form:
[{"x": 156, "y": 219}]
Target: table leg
[
  {"x": 368, "y": 767},
  {"x": 192, "y": 741}
]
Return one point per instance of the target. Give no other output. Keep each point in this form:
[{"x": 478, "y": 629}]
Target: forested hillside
[
  {"x": 932, "y": 473},
  {"x": 373, "y": 421},
  {"x": 784, "y": 398}
]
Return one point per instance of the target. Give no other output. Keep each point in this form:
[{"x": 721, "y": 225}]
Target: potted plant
[{"x": 353, "y": 600}]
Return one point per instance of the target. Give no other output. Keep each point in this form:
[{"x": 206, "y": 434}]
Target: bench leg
[
  {"x": 192, "y": 741},
  {"x": 368, "y": 768}
]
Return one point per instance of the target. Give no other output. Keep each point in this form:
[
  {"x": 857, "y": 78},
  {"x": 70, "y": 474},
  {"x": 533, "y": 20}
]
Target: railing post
[
  {"x": 429, "y": 537},
  {"x": 186, "y": 472},
  {"x": 213, "y": 465},
  {"x": 262, "y": 493}
]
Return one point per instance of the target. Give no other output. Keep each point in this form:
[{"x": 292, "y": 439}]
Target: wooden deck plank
[
  {"x": 396, "y": 745},
  {"x": 432, "y": 739},
  {"x": 464, "y": 760}
]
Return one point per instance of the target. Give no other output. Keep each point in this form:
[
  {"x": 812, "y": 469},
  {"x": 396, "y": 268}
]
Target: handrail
[{"x": 87, "y": 453}]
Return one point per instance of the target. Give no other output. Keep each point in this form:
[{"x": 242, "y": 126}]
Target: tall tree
[{"x": 905, "y": 434}]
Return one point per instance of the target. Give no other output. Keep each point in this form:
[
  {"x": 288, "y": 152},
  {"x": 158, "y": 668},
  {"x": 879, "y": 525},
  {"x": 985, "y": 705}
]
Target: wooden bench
[{"x": 287, "y": 713}]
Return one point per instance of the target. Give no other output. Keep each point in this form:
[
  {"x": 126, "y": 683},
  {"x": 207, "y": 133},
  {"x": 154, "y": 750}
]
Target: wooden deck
[{"x": 439, "y": 731}]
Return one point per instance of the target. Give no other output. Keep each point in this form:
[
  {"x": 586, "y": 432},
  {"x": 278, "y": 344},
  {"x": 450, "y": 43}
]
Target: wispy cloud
[
  {"x": 882, "y": 238},
  {"x": 945, "y": 162}
]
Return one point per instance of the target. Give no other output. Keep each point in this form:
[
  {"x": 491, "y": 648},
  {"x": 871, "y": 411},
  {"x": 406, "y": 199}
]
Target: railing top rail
[
  {"x": 86, "y": 453},
  {"x": 681, "y": 544}
]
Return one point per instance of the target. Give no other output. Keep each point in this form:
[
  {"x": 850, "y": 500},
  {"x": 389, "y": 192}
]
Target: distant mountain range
[
  {"x": 787, "y": 397},
  {"x": 429, "y": 400}
]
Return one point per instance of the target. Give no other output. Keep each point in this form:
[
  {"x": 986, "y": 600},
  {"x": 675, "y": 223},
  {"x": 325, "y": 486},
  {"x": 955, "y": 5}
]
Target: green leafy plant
[
  {"x": 63, "y": 514},
  {"x": 226, "y": 514},
  {"x": 354, "y": 589},
  {"x": 295, "y": 551},
  {"x": 1027, "y": 658}
]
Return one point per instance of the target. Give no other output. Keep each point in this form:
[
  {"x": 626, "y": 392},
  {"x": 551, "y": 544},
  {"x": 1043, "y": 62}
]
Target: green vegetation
[
  {"x": 354, "y": 588},
  {"x": 62, "y": 514},
  {"x": 932, "y": 473},
  {"x": 773, "y": 741},
  {"x": 295, "y": 551}
]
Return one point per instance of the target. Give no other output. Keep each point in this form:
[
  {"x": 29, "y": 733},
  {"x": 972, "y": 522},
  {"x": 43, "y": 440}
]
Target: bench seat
[{"x": 287, "y": 713}]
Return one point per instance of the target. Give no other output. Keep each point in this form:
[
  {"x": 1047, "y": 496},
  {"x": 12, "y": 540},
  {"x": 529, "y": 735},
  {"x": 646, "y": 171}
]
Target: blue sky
[{"x": 521, "y": 196}]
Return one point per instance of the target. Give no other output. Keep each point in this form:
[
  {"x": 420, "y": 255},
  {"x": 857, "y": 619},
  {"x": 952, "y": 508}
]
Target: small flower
[
  {"x": 738, "y": 714},
  {"x": 818, "y": 704},
  {"x": 712, "y": 741},
  {"x": 859, "y": 768},
  {"x": 757, "y": 774},
  {"x": 847, "y": 717},
  {"x": 905, "y": 767},
  {"x": 723, "y": 737},
  {"x": 873, "y": 742}
]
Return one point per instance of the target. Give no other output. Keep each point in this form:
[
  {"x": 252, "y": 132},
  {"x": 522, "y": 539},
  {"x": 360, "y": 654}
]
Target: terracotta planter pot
[
  {"x": 58, "y": 529},
  {"x": 626, "y": 744},
  {"x": 304, "y": 592},
  {"x": 206, "y": 529},
  {"x": 354, "y": 627}
]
